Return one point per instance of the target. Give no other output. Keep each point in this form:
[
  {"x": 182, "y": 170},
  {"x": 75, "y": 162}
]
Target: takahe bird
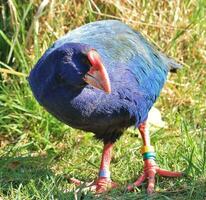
[{"x": 104, "y": 77}]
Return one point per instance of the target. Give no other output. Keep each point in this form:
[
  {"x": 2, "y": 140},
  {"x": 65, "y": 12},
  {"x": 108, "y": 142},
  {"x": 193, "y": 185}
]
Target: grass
[{"x": 37, "y": 150}]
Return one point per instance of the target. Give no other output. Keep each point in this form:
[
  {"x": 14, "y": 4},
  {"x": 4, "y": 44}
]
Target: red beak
[{"x": 97, "y": 76}]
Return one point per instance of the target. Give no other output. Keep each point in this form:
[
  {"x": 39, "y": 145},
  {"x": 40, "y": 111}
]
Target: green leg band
[{"x": 149, "y": 155}]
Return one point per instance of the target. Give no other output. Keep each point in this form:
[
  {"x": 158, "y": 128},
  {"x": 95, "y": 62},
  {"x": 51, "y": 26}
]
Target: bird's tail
[{"x": 171, "y": 63}]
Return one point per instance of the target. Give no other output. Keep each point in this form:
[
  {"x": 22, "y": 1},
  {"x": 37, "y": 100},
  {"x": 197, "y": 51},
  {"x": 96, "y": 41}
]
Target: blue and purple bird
[{"x": 104, "y": 77}]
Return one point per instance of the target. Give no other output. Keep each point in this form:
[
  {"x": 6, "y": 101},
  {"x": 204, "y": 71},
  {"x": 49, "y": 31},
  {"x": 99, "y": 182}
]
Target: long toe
[
  {"x": 137, "y": 183},
  {"x": 75, "y": 181},
  {"x": 164, "y": 172},
  {"x": 151, "y": 185}
]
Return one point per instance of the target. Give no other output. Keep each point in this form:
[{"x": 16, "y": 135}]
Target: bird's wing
[
  {"x": 116, "y": 38},
  {"x": 118, "y": 44}
]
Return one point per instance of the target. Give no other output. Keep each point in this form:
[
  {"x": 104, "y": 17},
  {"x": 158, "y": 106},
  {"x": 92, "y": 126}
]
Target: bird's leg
[
  {"x": 150, "y": 166},
  {"x": 103, "y": 182}
]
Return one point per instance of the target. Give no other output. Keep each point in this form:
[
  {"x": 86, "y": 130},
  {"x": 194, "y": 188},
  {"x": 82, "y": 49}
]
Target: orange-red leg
[
  {"x": 103, "y": 182},
  {"x": 150, "y": 166}
]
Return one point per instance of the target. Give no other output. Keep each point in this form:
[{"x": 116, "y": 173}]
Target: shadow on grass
[{"x": 32, "y": 177}]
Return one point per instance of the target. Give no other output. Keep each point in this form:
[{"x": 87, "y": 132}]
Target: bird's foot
[
  {"x": 150, "y": 170},
  {"x": 101, "y": 185}
]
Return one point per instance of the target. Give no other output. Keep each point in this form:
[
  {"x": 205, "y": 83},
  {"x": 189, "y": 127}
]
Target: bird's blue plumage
[{"x": 136, "y": 70}]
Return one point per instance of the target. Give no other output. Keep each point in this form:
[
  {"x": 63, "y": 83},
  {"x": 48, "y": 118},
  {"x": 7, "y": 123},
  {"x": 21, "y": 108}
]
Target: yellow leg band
[{"x": 146, "y": 149}]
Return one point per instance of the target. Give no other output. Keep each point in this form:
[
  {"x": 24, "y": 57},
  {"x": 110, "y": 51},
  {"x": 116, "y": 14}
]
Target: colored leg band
[
  {"x": 104, "y": 173},
  {"x": 146, "y": 149},
  {"x": 149, "y": 155}
]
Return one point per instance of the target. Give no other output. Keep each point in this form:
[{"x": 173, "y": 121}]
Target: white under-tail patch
[{"x": 155, "y": 118}]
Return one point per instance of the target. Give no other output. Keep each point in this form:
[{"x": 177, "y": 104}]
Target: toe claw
[
  {"x": 150, "y": 190},
  {"x": 130, "y": 188}
]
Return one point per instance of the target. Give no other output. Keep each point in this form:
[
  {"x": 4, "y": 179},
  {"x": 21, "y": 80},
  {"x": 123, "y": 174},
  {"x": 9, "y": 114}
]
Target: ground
[{"x": 38, "y": 152}]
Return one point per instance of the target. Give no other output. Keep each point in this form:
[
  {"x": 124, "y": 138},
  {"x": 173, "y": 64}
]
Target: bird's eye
[{"x": 86, "y": 62}]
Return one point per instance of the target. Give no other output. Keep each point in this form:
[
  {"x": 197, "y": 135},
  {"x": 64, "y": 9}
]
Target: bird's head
[{"x": 80, "y": 64}]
